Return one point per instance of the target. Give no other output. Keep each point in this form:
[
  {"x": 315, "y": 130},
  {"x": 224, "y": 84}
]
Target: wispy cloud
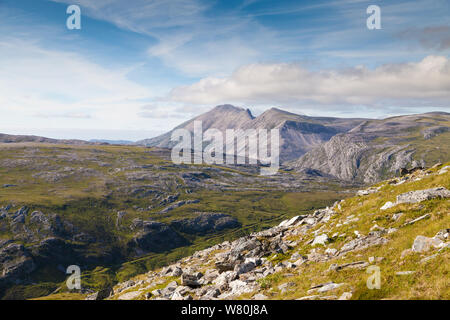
[{"x": 434, "y": 37}]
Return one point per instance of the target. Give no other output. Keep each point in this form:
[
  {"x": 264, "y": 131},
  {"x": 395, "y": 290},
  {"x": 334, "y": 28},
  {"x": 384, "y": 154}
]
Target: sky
[{"x": 137, "y": 68}]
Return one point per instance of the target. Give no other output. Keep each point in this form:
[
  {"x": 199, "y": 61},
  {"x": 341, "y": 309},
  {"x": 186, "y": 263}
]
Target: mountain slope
[
  {"x": 356, "y": 249},
  {"x": 377, "y": 149},
  {"x": 298, "y": 133},
  {"x": 107, "y": 205},
  {"x": 221, "y": 118}
]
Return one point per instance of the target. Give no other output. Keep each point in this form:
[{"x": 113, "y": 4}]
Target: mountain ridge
[{"x": 299, "y": 133}]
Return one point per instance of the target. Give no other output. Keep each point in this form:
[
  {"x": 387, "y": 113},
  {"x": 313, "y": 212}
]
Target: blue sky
[{"x": 137, "y": 68}]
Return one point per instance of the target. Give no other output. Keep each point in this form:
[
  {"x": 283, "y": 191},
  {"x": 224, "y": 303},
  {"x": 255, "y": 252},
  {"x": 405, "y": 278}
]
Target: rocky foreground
[{"x": 400, "y": 227}]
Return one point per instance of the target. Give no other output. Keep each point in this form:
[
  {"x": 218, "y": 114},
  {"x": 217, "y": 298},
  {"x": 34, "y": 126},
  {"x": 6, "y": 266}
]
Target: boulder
[
  {"x": 100, "y": 295},
  {"x": 322, "y": 240},
  {"x": 423, "y": 244},
  {"x": 244, "y": 267},
  {"x": 422, "y": 195},
  {"x": 387, "y": 205},
  {"x": 364, "y": 242},
  {"x": 189, "y": 280}
]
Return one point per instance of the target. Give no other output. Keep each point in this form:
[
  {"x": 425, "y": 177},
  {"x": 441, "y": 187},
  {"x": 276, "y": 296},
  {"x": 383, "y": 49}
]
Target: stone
[
  {"x": 156, "y": 292},
  {"x": 225, "y": 278},
  {"x": 177, "y": 271},
  {"x": 404, "y": 273},
  {"x": 313, "y": 297},
  {"x": 177, "y": 296},
  {"x": 423, "y": 244},
  {"x": 129, "y": 295},
  {"x": 285, "y": 286},
  {"x": 324, "y": 287},
  {"x": 443, "y": 234},
  {"x": 210, "y": 275},
  {"x": 171, "y": 286},
  {"x": 212, "y": 293},
  {"x": 291, "y": 222},
  {"x": 346, "y": 296},
  {"x": 425, "y": 216},
  {"x": 329, "y": 287},
  {"x": 397, "y": 216},
  {"x": 189, "y": 280},
  {"x": 239, "y": 287},
  {"x": 223, "y": 266},
  {"x": 364, "y": 242},
  {"x": 426, "y": 259},
  {"x": 422, "y": 195},
  {"x": 244, "y": 267},
  {"x": 387, "y": 205},
  {"x": 259, "y": 296},
  {"x": 351, "y": 265},
  {"x": 444, "y": 170},
  {"x": 322, "y": 239}
]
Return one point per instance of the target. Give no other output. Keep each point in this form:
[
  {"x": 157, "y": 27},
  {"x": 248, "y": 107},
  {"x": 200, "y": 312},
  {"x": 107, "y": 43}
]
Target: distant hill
[
  {"x": 122, "y": 142},
  {"x": 8, "y": 138}
]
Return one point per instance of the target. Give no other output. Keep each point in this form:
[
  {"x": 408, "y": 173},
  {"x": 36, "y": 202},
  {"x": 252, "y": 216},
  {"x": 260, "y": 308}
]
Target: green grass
[{"x": 90, "y": 203}]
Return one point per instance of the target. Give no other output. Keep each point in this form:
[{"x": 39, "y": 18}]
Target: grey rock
[
  {"x": 244, "y": 267},
  {"x": 189, "y": 280},
  {"x": 422, "y": 195},
  {"x": 322, "y": 240},
  {"x": 423, "y": 244},
  {"x": 15, "y": 262},
  {"x": 351, "y": 265},
  {"x": 364, "y": 242}
]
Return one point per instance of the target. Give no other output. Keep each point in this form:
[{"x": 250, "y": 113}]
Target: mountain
[
  {"x": 8, "y": 138},
  {"x": 221, "y": 117},
  {"x": 377, "y": 149},
  {"x": 298, "y": 133}
]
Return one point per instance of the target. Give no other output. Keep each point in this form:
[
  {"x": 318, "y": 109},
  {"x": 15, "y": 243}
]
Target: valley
[{"x": 121, "y": 210}]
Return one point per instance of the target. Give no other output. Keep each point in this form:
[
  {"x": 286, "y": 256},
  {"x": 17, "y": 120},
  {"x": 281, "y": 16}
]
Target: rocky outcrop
[
  {"x": 15, "y": 262},
  {"x": 204, "y": 223},
  {"x": 154, "y": 237},
  {"x": 422, "y": 195},
  {"x": 238, "y": 265},
  {"x": 375, "y": 149},
  {"x": 418, "y": 196},
  {"x": 178, "y": 204}
]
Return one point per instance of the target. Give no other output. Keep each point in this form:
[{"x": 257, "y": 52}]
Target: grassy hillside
[
  {"x": 404, "y": 273},
  {"x": 86, "y": 186}
]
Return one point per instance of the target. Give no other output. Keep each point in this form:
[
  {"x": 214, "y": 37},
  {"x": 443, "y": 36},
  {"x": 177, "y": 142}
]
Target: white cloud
[{"x": 427, "y": 80}]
